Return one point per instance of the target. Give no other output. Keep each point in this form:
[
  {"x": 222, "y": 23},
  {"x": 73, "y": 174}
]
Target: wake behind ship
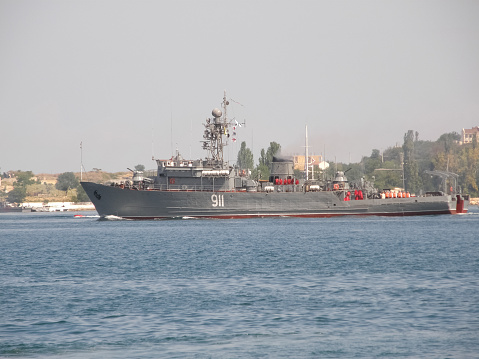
[{"x": 211, "y": 188}]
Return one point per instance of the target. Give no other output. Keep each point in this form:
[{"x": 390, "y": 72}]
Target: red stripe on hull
[{"x": 306, "y": 215}]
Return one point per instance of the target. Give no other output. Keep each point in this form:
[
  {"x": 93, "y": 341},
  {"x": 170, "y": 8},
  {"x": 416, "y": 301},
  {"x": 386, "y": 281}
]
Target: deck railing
[{"x": 193, "y": 188}]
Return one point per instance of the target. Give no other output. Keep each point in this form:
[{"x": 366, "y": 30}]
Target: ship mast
[
  {"x": 306, "y": 155},
  {"x": 215, "y": 129}
]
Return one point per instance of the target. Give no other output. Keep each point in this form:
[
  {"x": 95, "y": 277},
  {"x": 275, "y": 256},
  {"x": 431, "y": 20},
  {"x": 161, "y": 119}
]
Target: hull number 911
[{"x": 217, "y": 200}]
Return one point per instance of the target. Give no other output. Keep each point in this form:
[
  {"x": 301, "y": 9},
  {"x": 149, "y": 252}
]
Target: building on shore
[
  {"x": 469, "y": 134},
  {"x": 298, "y": 161}
]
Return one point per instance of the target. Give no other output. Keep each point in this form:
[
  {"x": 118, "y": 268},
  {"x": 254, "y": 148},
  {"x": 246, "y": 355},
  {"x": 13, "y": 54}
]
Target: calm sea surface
[{"x": 276, "y": 288}]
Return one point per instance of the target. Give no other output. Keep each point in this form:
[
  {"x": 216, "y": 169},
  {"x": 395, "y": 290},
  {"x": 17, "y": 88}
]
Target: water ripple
[{"x": 370, "y": 287}]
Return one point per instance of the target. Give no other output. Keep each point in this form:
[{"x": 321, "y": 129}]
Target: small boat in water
[
  {"x": 8, "y": 207},
  {"x": 212, "y": 188}
]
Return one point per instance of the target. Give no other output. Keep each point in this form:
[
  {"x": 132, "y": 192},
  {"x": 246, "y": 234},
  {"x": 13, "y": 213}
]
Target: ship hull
[{"x": 153, "y": 204}]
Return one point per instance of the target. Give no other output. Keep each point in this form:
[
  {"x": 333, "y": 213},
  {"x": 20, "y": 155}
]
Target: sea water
[{"x": 349, "y": 287}]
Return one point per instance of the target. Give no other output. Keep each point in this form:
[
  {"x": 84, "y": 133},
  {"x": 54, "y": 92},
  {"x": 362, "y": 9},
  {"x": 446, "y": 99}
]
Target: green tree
[
  {"x": 81, "y": 195},
  {"x": 411, "y": 176},
  {"x": 262, "y": 158},
  {"x": 17, "y": 194},
  {"x": 139, "y": 168},
  {"x": 373, "y": 162},
  {"x": 375, "y": 154},
  {"x": 468, "y": 169},
  {"x": 263, "y": 170},
  {"x": 388, "y": 176},
  {"x": 24, "y": 178},
  {"x": 449, "y": 140},
  {"x": 245, "y": 157},
  {"x": 274, "y": 149},
  {"x": 66, "y": 181}
]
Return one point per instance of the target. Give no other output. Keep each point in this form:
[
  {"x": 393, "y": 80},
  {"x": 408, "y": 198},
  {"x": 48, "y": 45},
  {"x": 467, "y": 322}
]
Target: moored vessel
[{"x": 8, "y": 207}]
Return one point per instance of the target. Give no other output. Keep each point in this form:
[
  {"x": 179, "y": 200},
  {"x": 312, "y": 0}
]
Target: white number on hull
[{"x": 217, "y": 200}]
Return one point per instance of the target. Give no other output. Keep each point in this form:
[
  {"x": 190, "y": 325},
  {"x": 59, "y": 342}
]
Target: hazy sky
[{"x": 132, "y": 79}]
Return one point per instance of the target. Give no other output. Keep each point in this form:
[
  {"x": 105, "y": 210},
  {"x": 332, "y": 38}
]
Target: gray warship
[{"x": 211, "y": 188}]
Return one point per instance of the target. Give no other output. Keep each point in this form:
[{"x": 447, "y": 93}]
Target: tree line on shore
[
  {"x": 415, "y": 166},
  {"x": 26, "y": 185},
  {"x": 37, "y": 188}
]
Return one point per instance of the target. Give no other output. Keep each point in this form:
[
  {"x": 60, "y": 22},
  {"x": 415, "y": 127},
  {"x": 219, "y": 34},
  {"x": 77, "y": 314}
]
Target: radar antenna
[{"x": 215, "y": 129}]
